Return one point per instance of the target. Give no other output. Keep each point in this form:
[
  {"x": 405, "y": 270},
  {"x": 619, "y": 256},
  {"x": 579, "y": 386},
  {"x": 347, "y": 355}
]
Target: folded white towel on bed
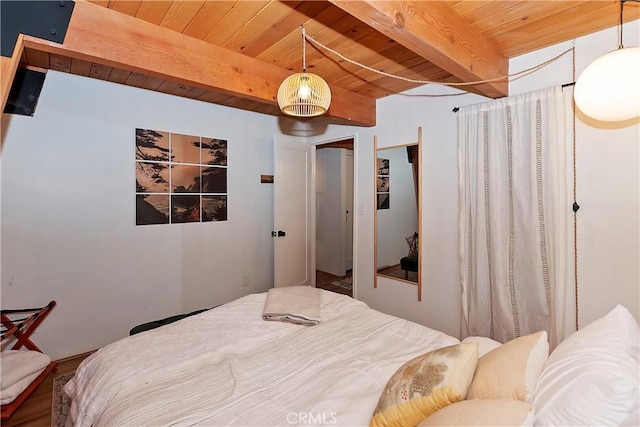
[{"x": 296, "y": 304}]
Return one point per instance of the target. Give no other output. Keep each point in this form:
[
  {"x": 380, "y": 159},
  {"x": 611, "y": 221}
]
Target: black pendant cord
[
  {"x": 575, "y": 206},
  {"x": 622, "y": 2},
  {"x": 620, "y": 44}
]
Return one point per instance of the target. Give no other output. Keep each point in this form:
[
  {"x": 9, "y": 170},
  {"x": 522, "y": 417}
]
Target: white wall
[
  {"x": 398, "y": 120},
  {"x": 608, "y": 184},
  {"x": 68, "y": 213},
  {"x": 67, "y": 207},
  {"x": 608, "y": 191}
]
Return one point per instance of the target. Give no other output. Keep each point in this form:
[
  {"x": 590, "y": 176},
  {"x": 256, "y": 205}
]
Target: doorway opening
[{"x": 334, "y": 202}]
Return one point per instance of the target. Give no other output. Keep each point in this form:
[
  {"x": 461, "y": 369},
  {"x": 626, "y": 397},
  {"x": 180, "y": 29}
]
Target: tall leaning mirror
[{"x": 397, "y": 213}]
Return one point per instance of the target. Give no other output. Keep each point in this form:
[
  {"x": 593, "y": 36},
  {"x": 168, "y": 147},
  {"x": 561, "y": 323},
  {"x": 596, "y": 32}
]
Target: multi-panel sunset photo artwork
[{"x": 180, "y": 178}]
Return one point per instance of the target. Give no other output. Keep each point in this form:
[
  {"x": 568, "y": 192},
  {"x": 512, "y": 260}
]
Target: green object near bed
[{"x": 157, "y": 323}]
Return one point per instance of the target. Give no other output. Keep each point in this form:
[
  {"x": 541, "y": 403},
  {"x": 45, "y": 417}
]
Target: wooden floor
[
  {"x": 396, "y": 271},
  {"x": 36, "y": 410},
  {"x": 323, "y": 281}
]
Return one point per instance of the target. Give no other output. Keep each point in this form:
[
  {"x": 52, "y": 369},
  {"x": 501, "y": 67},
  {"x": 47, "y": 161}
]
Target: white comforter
[{"x": 227, "y": 366}]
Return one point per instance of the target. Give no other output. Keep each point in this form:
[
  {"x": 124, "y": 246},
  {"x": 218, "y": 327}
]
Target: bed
[{"x": 228, "y": 366}]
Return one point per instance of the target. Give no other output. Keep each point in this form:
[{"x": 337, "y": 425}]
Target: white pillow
[
  {"x": 485, "y": 345},
  {"x": 592, "y": 377}
]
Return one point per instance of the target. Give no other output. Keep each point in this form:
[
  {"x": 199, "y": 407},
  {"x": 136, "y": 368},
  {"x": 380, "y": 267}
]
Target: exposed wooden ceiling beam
[
  {"x": 437, "y": 33},
  {"x": 103, "y": 36}
]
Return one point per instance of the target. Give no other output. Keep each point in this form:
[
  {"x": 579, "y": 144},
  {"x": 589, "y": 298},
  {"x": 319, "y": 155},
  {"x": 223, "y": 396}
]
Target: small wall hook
[{"x": 575, "y": 206}]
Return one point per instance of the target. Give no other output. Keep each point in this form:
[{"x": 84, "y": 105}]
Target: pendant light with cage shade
[
  {"x": 607, "y": 89},
  {"x": 304, "y": 94}
]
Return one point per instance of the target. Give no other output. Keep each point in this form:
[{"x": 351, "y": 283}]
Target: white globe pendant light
[
  {"x": 304, "y": 94},
  {"x": 609, "y": 88}
]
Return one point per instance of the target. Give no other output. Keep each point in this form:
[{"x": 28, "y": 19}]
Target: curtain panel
[{"x": 513, "y": 245}]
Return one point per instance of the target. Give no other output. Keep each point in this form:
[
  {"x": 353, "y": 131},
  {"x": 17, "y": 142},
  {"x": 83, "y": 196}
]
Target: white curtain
[{"x": 512, "y": 215}]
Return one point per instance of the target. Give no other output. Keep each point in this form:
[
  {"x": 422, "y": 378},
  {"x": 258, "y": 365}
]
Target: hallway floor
[{"x": 324, "y": 281}]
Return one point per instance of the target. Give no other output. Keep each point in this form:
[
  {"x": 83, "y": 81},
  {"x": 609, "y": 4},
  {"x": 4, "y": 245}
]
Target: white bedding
[{"x": 227, "y": 366}]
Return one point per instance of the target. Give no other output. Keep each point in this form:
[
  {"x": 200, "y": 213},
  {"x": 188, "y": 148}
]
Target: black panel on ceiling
[{"x": 44, "y": 19}]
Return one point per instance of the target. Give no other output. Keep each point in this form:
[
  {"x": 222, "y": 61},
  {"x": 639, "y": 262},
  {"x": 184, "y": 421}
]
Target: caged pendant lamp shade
[
  {"x": 609, "y": 88},
  {"x": 304, "y": 94}
]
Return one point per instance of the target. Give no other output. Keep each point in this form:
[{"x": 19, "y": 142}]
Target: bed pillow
[
  {"x": 425, "y": 384},
  {"x": 485, "y": 345},
  {"x": 511, "y": 371},
  {"x": 591, "y": 378},
  {"x": 481, "y": 413}
]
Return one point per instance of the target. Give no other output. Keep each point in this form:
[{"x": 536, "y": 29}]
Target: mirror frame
[{"x": 375, "y": 216}]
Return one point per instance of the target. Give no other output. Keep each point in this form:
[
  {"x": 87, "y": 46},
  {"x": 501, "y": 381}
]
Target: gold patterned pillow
[{"x": 425, "y": 384}]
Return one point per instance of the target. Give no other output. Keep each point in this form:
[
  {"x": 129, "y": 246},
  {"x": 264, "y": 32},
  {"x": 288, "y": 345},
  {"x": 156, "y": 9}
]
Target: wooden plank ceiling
[{"x": 463, "y": 40}]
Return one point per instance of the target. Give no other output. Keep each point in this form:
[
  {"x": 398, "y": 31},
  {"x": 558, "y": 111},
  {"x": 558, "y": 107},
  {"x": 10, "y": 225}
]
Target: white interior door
[{"x": 292, "y": 213}]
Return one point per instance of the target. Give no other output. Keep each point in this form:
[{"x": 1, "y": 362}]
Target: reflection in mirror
[{"x": 397, "y": 218}]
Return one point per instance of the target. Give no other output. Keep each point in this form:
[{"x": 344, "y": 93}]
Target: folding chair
[{"x": 17, "y": 328}]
